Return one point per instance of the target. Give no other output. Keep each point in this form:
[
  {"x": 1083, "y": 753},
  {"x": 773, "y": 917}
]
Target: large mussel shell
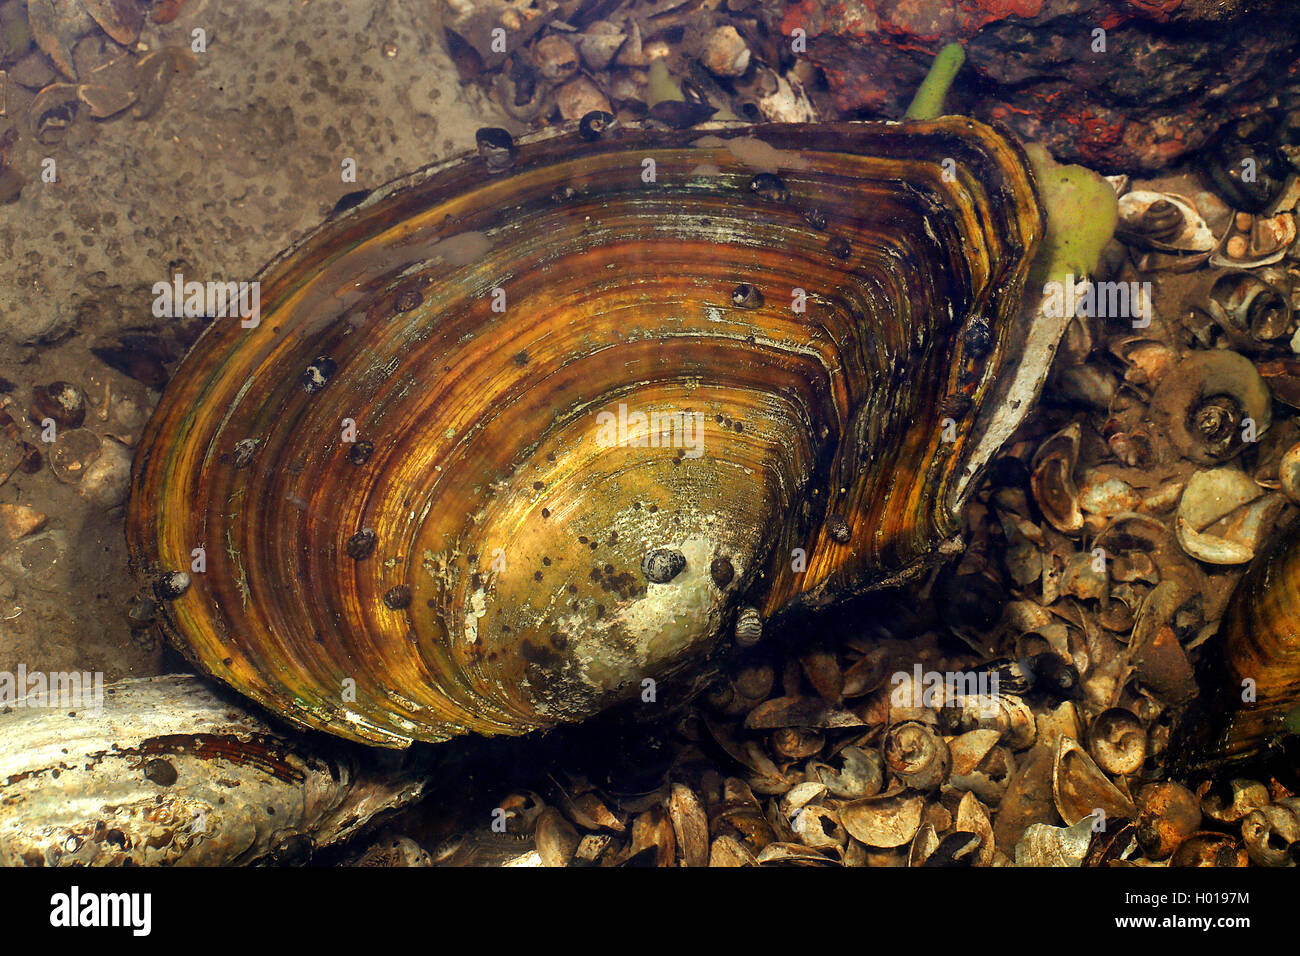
[
  {"x": 494, "y": 554},
  {"x": 1249, "y": 702}
]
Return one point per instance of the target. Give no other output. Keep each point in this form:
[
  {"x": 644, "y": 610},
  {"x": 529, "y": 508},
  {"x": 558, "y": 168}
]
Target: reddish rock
[{"x": 1172, "y": 73}]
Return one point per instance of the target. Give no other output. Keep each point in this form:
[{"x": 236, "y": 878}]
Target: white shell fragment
[
  {"x": 1223, "y": 516},
  {"x": 1044, "y": 845}
]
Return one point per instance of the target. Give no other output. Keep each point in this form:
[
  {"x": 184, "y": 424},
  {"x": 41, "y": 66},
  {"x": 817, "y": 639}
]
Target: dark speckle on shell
[
  {"x": 160, "y": 772},
  {"x": 362, "y": 544},
  {"x": 722, "y": 571},
  {"x": 398, "y": 597},
  {"x": 360, "y": 452},
  {"x": 663, "y": 564},
  {"x": 172, "y": 585},
  {"x": 318, "y": 374}
]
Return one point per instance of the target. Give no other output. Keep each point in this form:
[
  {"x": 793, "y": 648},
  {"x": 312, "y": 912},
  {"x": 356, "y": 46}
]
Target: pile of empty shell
[{"x": 679, "y": 62}]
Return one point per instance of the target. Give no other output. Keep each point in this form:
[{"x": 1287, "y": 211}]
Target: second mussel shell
[
  {"x": 525, "y": 429},
  {"x": 1249, "y": 702}
]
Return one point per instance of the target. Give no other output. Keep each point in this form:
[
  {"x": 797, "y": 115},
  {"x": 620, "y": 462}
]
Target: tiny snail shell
[
  {"x": 749, "y": 627},
  {"x": 1117, "y": 740},
  {"x": 1168, "y": 814},
  {"x": 917, "y": 756}
]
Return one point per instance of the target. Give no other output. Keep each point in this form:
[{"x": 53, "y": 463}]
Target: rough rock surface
[{"x": 1172, "y": 71}]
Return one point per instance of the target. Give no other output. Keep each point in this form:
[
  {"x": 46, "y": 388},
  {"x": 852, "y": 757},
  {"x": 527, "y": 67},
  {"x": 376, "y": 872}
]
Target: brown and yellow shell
[
  {"x": 426, "y": 501},
  {"x": 1250, "y": 677}
]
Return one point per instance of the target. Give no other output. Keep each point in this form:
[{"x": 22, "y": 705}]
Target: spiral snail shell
[{"x": 432, "y": 490}]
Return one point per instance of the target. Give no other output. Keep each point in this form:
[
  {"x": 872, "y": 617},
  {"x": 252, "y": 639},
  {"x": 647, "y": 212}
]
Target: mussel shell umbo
[{"x": 492, "y": 327}]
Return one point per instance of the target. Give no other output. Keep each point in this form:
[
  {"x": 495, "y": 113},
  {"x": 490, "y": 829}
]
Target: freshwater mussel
[{"x": 610, "y": 391}]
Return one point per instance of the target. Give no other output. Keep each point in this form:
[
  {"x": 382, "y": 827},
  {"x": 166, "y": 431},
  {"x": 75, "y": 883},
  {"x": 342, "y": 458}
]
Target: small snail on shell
[{"x": 583, "y": 455}]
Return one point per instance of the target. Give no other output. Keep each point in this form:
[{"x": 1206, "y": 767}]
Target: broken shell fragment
[
  {"x": 1046, "y": 845},
  {"x": 1228, "y": 804},
  {"x": 819, "y": 827},
  {"x": 62, "y": 402},
  {"x": 1008, "y": 715},
  {"x": 1272, "y": 833},
  {"x": 884, "y": 821},
  {"x": 519, "y": 509},
  {"x": 970, "y": 749},
  {"x": 1247, "y": 303},
  {"x": 1223, "y": 516},
  {"x": 52, "y": 112},
  {"x": 923, "y": 845},
  {"x": 18, "y": 521},
  {"x": 600, "y": 44},
  {"x": 856, "y": 773},
  {"x": 792, "y": 854},
  {"x": 1052, "y": 480},
  {"x": 958, "y": 848},
  {"x": 690, "y": 825},
  {"x": 1209, "y": 849},
  {"x": 107, "y": 479},
  {"x": 1079, "y": 788},
  {"x": 727, "y": 851},
  {"x": 1263, "y": 241},
  {"x": 652, "y": 841},
  {"x": 73, "y": 455},
  {"x": 972, "y": 817}
]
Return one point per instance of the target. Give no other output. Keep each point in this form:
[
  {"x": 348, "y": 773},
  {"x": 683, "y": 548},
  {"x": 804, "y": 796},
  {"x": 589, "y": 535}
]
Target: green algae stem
[{"x": 928, "y": 102}]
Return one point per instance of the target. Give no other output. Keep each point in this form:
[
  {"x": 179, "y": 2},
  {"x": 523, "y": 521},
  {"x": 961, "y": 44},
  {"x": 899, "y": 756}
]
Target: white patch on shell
[
  {"x": 477, "y": 609},
  {"x": 661, "y": 625}
]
